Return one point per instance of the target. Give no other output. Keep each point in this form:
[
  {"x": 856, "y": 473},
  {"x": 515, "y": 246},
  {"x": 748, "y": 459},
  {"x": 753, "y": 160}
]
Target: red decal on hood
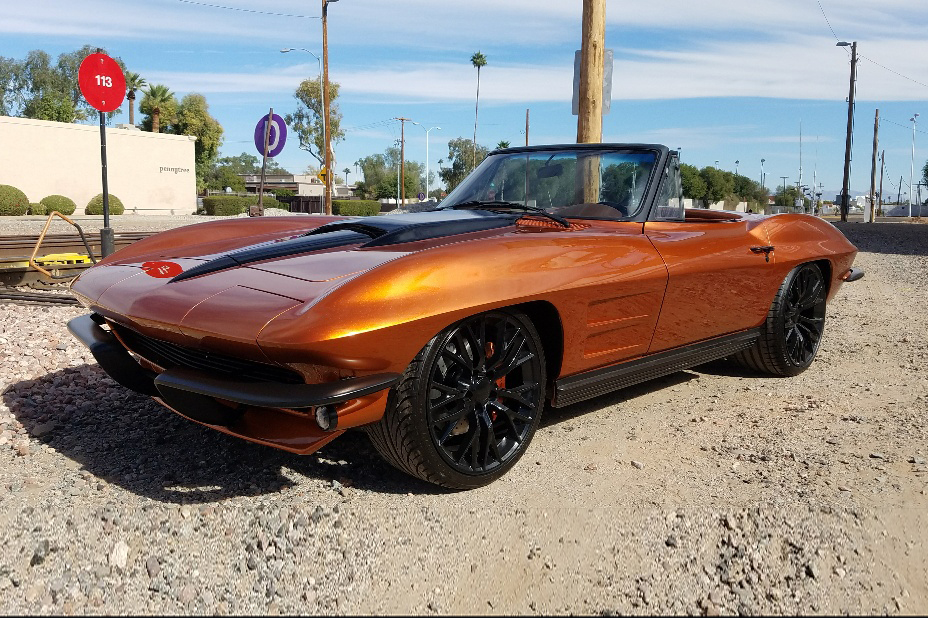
[{"x": 162, "y": 270}]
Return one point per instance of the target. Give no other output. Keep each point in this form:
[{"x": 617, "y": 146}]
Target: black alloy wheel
[
  {"x": 792, "y": 333},
  {"x": 469, "y": 403},
  {"x": 804, "y": 315}
]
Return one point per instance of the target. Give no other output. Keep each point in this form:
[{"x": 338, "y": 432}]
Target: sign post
[
  {"x": 104, "y": 86},
  {"x": 270, "y": 137}
]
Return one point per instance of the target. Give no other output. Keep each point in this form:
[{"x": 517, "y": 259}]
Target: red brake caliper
[{"x": 500, "y": 383}]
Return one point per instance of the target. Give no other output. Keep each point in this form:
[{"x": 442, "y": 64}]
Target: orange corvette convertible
[{"x": 551, "y": 274}]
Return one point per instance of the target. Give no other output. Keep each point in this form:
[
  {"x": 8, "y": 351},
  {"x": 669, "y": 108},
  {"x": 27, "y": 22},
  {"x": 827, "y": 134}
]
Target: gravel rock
[{"x": 759, "y": 496}]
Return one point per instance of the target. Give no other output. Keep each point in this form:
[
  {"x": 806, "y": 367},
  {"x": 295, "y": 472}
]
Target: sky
[{"x": 728, "y": 82}]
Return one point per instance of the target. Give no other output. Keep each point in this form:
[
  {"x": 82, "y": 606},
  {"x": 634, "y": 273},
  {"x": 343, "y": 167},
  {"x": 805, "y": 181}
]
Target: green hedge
[
  {"x": 13, "y": 202},
  {"x": 95, "y": 205},
  {"x": 62, "y": 204},
  {"x": 37, "y": 208},
  {"x": 226, "y": 205},
  {"x": 355, "y": 208}
]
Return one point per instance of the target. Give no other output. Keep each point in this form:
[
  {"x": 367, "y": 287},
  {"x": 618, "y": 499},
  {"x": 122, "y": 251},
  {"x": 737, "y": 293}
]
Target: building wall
[{"x": 150, "y": 173}]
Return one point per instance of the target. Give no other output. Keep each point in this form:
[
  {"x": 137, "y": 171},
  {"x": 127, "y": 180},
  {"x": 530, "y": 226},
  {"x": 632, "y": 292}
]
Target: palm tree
[
  {"x": 478, "y": 60},
  {"x": 159, "y": 96},
  {"x": 347, "y": 171},
  {"x": 503, "y": 144},
  {"x": 134, "y": 82}
]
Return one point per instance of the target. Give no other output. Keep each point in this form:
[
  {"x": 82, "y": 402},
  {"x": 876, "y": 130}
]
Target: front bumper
[{"x": 224, "y": 402}]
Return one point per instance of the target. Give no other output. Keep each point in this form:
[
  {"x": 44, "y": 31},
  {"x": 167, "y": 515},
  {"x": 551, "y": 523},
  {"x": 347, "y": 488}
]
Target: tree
[
  {"x": 134, "y": 82},
  {"x": 380, "y": 172},
  {"x": 719, "y": 185},
  {"x": 53, "y": 106},
  {"x": 306, "y": 121},
  {"x": 228, "y": 171},
  {"x": 694, "y": 187},
  {"x": 786, "y": 198},
  {"x": 502, "y": 144},
  {"x": 193, "y": 118},
  {"x": 37, "y": 88},
  {"x": 220, "y": 177},
  {"x": 459, "y": 164},
  {"x": 479, "y": 61},
  {"x": 347, "y": 171},
  {"x": 160, "y": 107}
]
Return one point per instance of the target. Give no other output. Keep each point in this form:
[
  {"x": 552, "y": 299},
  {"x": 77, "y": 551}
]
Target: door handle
[{"x": 765, "y": 250}]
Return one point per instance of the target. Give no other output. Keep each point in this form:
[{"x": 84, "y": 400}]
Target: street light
[
  {"x": 762, "y": 185},
  {"x": 913, "y": 120},
  {"x": 845, "y": 188},
  {"x": 319, "y": 60},
  {"x": 427, "y": 188}
]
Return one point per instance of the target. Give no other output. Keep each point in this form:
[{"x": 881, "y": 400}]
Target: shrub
[
  {"x": 283, "y": 192},
  {"x": 228, "y": 205},
  {"x": 62, "y": 204},
  {"x": 37, "y": 208},
  {"x": 13, "y": 202},
  {"x": 224, "y": 205},
  {"x": 95, "y": 205},
  {"x": 355, "y": 208}
]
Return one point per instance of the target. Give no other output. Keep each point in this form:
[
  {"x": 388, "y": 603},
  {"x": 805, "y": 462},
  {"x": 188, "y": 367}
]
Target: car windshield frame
[{"x": 577, "y": 181}]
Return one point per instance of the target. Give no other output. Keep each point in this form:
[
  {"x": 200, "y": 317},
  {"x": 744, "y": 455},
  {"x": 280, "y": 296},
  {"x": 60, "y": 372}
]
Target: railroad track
[
  {"x": 32, "y": 298},
  {"x": 63, "y": 254}
]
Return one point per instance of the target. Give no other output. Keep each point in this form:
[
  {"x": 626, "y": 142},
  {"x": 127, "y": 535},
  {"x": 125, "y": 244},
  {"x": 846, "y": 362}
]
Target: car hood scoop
[{"x": 369, "y": 232}]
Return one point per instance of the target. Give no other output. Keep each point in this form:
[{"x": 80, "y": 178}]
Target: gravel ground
[{"x": 707, "y": 492}]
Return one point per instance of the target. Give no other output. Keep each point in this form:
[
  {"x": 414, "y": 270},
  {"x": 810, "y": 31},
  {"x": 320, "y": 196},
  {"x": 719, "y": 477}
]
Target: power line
[
  {"x": 859, "y": 56},
  {"x": 907, "y": 128},
  {"x": 233, "y": 8},
  {"x": 894, "y": 72}
]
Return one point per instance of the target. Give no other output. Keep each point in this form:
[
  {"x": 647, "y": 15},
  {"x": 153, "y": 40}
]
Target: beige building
[{"x": 150, "y": 173}]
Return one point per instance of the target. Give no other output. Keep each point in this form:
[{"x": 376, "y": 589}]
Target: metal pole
[
  {"x": 107, "y": 243},
  {"x": 259, "y": 210},
  {"x": 786, "y": 204},
  {"x": 876, "y": 142},
  {"x": 526, "y": 126},
  {"x": 882, "y": 169},
  {"x": 845, "y": 187},
  {"x": 914, "y": 120}
]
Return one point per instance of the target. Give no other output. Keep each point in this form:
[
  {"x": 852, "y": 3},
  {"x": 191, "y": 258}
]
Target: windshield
[{"x": 580, "y": 183}]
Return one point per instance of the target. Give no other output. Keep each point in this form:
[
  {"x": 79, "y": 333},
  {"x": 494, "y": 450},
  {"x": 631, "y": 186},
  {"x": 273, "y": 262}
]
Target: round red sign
[{"x": 102, "y": 82}]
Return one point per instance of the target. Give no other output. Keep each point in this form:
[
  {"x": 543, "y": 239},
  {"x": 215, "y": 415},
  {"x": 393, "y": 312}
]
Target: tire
[
  {"x": 792, "y": 333},
  {"x": 468, "y": 405}
]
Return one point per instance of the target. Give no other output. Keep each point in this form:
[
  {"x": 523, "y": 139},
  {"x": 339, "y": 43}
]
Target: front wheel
[
  {"x": 791, "y": 335},
  {"x": 468, "y": 405}
]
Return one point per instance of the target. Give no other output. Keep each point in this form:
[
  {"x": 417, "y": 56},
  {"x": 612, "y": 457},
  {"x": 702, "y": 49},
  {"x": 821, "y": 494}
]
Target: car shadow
[{"x": 130, "y": 441}]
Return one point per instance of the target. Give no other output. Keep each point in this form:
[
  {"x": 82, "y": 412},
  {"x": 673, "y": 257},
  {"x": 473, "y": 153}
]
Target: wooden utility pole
[
  {"x": 325, "y": 107},
  {"x": 258, "y": 211},
  {"x": 876, "y": 141},
  {"x": 592, "y": 50},
  {"x": 403, "y": 122},
  {"x": 845, "y": 188}
]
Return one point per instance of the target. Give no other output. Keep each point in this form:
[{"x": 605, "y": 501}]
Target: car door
[{"x": 720, "y": 278}]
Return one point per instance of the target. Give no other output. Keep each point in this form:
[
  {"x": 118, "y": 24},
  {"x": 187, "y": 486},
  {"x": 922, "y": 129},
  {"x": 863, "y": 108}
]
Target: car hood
[{"x": 229, "y": 296}]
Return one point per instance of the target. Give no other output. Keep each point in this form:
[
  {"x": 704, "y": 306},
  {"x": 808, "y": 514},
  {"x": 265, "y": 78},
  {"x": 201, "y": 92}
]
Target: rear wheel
[
  {"x": 791, "y": 335},
  {"x": 468, "y": 405}
]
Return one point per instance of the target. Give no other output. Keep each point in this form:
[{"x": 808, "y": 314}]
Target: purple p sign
[{"x": 277, "y": 138}]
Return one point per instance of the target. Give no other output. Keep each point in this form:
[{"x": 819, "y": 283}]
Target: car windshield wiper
[{"x": 502, "y": 205}]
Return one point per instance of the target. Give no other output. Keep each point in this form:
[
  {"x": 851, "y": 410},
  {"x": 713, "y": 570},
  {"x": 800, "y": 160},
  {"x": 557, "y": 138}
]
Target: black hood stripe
[{"x": 368, "y": 232}]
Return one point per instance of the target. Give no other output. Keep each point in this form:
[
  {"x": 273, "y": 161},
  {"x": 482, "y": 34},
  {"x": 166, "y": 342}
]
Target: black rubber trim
[
  {"x": 112, "y": 357},
  {"x": 855, "y": 274},
  {"x": 598, "y": 382},
  {"x": 276, "y": 249},
  {"x": 270, "y": 394}
]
